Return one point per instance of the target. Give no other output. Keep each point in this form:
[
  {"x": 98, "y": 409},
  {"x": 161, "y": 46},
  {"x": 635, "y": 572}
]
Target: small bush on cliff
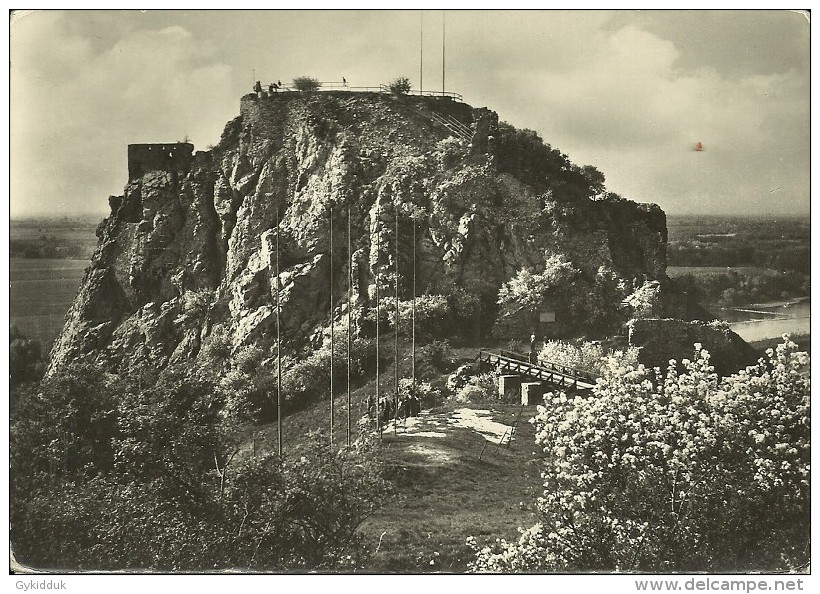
[
  {"x": 249, "y": 386},
  {"x": 400, "y": 86},
  {"x": 306, "y": 84},
  {"x": 680, "y": 474}
]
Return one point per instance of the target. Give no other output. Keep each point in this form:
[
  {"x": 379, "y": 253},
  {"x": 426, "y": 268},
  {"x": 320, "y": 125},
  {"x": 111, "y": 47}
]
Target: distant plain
[{"x": 49, "y": 257}]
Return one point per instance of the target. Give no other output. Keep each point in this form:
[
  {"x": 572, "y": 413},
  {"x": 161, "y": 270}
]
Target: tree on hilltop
[
  {"x": 400, "y": 86},
  {"x": 307, "y": 84}
]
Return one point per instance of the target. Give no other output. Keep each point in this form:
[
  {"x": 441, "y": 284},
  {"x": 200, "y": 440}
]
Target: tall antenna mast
[
  {"x": 421, "y": 52},
  {"x": 378, "y": 253},
  {"x": 443, "y": 30}
]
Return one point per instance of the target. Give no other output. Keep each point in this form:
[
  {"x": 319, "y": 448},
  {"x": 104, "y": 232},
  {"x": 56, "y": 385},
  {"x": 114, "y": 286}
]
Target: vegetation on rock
[{"x": 26, "y": 361}]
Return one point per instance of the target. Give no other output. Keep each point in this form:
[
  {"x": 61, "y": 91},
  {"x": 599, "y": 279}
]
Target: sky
[{"x": 629, "y": 92}]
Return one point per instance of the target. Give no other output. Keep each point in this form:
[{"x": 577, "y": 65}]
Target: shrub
[
  {"x": 437, "y": 316},
  {"x": 309, "y": 378},
  {"x": 645, "y": 301},
  {"x": 400, "y": 86},
  {"x": 523, "y": 296},
  {"x": 305, "y": 513},
  {"x": 216, "y": 349},
  {"x": 459, "y": 378},
  {"x": 677, "y": 474},
  {"x": 434, "y": 317},
  {"x": 26, "y": 362},
  {"x": 436, "y": 356},
  {"x": 479, "y": 388},
  {"x": 249, "y": 387},
  {"x": 585, "y": 356},
  {"x": 306, "y": 84}
]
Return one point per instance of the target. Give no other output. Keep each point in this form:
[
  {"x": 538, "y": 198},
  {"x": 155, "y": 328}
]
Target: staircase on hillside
[{"x": 455, "y": 127}]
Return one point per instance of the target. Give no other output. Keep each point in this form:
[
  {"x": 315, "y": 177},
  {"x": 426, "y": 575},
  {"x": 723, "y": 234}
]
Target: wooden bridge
[{"x": 554, "y": 374}]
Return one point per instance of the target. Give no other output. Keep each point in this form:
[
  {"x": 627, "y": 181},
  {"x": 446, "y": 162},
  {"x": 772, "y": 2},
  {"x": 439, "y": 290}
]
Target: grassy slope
[
  {"x": 445, "y": 493},
  {"x": 450, "y": 488}
]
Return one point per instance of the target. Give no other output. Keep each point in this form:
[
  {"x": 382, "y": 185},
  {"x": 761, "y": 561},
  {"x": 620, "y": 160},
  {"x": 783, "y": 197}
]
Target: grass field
[
  {"x": 80, "y": 230},
  {"x": 675, "y": 271},
  {"x": 53, "y": 238},
  {"x": 41, "y": 293}
]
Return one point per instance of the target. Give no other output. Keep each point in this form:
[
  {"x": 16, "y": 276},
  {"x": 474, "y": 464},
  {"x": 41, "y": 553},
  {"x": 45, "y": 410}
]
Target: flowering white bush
[
  {"x": 586, "y": 356},
  {"x": 686, "y": 472},
  {"x": 645, "y": 300}
]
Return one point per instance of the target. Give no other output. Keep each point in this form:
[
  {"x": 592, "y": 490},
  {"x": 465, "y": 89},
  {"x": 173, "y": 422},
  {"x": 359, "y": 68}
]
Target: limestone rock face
[{"x": 192, "y": 247}]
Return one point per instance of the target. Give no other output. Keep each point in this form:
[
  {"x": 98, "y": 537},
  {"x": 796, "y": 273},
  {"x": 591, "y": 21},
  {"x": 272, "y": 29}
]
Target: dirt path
[{"x": 454, "y": 481}]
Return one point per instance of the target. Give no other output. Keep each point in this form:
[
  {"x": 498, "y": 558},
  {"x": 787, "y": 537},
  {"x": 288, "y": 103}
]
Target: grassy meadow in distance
[
  {"x": 48, "y": 259},
  {"x": 42, "y": 290}
]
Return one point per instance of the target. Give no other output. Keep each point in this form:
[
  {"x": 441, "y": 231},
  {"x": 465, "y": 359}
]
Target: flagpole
[
  {"x": 443, "y": 35},
  {"x": 396, "y": 332},
  {"x": 414, "y": 308},
  {"x": 278, "y": 342},
  {"x": 421, "y": 52},
  {"x": 378, "y": 253},
  {"x": 349, "y": 314},
  {"x": 332, "y": 337}
]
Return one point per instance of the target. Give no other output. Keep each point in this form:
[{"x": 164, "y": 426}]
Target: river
[{"x": 769, "y": 320}]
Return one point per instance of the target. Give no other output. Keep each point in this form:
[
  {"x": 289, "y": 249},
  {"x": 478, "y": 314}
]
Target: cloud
[
  {"x": 630, "y": 92},
  {"x": 627, "y": 100},
  {"x": 75, "y": 105}
]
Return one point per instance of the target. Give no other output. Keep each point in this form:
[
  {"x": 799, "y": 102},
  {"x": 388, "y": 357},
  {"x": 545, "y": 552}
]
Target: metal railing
[{"x": 344, "y": 86}]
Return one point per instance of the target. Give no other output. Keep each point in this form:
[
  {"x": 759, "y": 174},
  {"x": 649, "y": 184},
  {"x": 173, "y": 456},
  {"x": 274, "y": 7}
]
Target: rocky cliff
[{"x": 191, "y": 244}]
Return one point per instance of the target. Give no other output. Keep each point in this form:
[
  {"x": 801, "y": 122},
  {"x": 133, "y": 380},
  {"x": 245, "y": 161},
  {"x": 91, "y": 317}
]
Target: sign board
[{"x": 547, "y": 316}]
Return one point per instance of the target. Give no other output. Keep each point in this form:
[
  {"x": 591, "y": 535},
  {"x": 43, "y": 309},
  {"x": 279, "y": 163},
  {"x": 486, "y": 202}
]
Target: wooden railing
[{"x": 553, "y": 373}]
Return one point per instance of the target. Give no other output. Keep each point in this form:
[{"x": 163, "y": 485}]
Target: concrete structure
[
  {"x": 509, "y": 387},
  {"x": 175, "y": 156},
  {"x": 532, "y": 393}
]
